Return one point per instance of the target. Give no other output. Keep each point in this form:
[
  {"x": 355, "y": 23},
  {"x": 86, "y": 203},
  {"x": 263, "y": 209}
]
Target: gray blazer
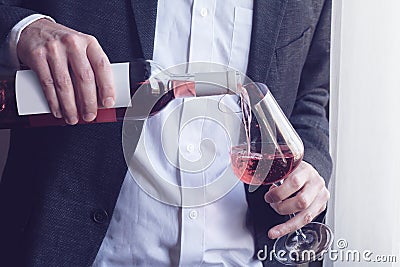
[{"x": 60, "y": 184}]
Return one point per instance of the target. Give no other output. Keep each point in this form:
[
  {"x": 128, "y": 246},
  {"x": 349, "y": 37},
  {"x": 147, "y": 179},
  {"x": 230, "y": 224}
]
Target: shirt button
[
  {"x": 204, "y": 12},
  {"x": 100, "y": 216},
  {"x": 193, "y": 214},
  {"x": 190, "y": 148}
]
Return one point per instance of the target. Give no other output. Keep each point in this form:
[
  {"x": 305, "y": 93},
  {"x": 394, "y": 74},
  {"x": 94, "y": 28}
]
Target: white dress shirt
[{"x": 146, "y": 230}]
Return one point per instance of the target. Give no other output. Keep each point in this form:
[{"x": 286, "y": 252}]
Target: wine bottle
[{"x": 146, "y": 94}]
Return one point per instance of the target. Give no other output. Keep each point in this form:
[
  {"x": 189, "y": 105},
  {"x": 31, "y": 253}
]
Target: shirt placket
[
  {"x": 201, "y": 41},
  {"x": 192, "y": 182},
  {"x": 193, "y": 218}
]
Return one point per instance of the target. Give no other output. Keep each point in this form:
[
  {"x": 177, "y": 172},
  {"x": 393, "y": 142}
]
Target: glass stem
[{"x": 299, "y": 232}]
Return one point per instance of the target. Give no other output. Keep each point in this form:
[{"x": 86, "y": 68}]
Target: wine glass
[{"x": 267, "y": 151}]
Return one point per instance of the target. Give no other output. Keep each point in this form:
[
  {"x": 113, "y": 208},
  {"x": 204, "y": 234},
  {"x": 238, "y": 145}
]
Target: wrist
[{"x": 15, "y": 35}]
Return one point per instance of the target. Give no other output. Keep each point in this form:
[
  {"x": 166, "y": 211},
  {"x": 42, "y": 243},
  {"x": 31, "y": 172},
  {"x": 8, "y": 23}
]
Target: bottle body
[
  {"x": 149, "y": 94},
  {"x": 8, "y": 107},
  {"x": 10, "y": 118}
]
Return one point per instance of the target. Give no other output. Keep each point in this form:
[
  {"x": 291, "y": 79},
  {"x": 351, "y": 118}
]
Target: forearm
[
  {"x": 309, "y": 116},
  {"x": 310, "y": 122}
]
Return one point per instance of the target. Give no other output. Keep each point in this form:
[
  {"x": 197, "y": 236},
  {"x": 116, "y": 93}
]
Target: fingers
[
  {"x": 57, "y": 61},
  {"x": 293, "y": 183},
  {"x": 46, "y": 80},
  {"x": 84, "y": 82},
  {"x": 102, "y": 70},
  {"x": 301, "y": 201},
  {"x": 69, "y": 65},
  {"x": 302, "y": 218}
]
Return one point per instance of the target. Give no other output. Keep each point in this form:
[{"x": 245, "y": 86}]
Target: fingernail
[
  {"x": 89, "y": 117},
  {"x": 57, "y": 114},
  {"x": 273, "y": 234},
  {"x": 72, "y": 120},
  {"x": 268, "y": 199},
  {"x": 108, "y": 102}
]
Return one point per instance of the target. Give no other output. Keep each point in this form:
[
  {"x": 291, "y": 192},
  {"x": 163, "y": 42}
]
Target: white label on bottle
[{"x": 31, "y": 100}]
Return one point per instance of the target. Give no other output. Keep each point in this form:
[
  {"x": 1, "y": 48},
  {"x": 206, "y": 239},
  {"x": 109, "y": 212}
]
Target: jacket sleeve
[
  {"x": 10, "y": 15},
  {"x": 309, "y": 114}
]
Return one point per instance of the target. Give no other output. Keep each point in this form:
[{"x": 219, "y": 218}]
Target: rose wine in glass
[{"x": 252, "y": 167}]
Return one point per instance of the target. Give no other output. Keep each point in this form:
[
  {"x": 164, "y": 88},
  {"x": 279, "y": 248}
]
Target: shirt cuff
[{"x": 15, "y": 34}]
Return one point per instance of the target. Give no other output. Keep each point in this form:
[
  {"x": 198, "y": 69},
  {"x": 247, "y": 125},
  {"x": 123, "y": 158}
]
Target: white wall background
[{"x": 365, "y": 128}]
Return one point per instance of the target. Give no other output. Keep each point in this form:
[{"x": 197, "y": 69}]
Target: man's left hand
[{"x": 304, "y": 193}]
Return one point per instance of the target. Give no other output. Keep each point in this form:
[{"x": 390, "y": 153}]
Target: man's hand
[
  {"x": 310, "y": 199},
  {"x": 69, "y": 65}
]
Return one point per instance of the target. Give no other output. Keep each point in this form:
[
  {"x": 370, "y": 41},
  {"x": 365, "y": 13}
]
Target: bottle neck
[
  {"x": 181, "y": 85},
  {"x": 139, "y": 72}
]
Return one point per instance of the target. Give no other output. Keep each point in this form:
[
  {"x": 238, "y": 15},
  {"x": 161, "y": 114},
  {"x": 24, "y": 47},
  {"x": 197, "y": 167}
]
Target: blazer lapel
[
  {"x": 145, "y": 12},
  {"x": 267, "y": 19}
]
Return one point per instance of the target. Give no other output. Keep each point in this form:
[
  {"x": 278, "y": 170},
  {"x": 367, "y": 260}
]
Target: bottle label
[{"x": 31, "y": 100}]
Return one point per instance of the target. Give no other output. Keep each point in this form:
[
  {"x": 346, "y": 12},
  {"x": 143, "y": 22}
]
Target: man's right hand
[{"x": 69, "y": 65}]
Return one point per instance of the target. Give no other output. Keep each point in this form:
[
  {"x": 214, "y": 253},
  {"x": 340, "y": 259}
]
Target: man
[{"x": 60, "y": 187}]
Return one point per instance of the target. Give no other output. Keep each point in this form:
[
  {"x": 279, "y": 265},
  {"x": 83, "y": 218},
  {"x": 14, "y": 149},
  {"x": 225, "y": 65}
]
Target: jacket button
[{"x": 100, "y": 216}]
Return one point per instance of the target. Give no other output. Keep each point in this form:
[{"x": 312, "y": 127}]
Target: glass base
[{"x": 293, "y": 249}]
